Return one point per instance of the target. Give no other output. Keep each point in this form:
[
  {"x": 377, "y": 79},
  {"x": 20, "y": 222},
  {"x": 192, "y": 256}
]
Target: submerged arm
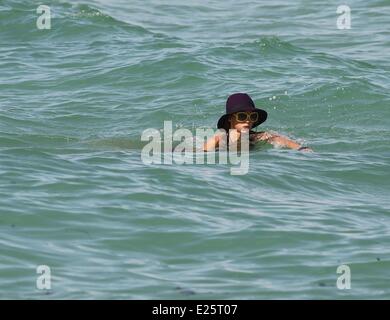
[
  {"x": 282, "y": 141},
  {"x": 211, "y": 144}
]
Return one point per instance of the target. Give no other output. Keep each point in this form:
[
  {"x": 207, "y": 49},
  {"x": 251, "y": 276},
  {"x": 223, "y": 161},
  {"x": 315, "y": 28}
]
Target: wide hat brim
[{"x": 223, "y": 122}]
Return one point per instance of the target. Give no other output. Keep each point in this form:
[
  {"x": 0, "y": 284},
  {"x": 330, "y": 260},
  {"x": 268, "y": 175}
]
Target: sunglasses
[{"x": 246, "y": 116}]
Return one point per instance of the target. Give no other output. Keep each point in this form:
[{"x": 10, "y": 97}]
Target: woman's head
[{"x": 241, "y": 113}]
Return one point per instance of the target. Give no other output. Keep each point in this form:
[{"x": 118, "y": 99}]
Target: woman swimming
[{"x": 241, "y": 116}]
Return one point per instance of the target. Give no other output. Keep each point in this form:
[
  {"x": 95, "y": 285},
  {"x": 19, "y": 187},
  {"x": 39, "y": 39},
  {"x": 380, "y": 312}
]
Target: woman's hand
[{"x": 305, "y": 149}]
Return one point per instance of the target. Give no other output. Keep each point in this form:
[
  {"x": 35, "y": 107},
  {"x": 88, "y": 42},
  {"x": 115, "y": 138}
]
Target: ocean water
[{"x": 76, "y": 197}]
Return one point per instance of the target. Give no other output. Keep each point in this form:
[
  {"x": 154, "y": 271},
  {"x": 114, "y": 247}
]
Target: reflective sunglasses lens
[
  {"x": 254, "y": 116},
  {"x": 241, "y": 116}
]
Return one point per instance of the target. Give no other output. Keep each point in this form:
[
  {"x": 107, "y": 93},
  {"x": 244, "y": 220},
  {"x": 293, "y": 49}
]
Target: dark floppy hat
[{"x": 240, "y": 102}]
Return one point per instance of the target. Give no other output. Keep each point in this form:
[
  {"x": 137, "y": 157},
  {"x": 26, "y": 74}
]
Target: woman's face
[{"x": 238, "y": 125}]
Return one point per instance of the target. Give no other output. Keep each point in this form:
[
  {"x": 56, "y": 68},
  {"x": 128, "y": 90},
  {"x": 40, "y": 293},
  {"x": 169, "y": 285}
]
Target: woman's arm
[
  {"x": 282, "y": 141},
  {"x": 212, "y": 143},
  {"x": 274, "y": 139}
]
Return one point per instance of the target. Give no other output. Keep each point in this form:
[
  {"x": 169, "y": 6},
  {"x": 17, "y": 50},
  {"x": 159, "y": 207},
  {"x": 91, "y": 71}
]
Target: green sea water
[{"x": 76, "y": 197}]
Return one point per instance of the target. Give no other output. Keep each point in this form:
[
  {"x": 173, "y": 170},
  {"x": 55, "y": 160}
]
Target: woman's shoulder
[
  {"x": 261, "y": 135},
  {"x": 256, "y": 133}
]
